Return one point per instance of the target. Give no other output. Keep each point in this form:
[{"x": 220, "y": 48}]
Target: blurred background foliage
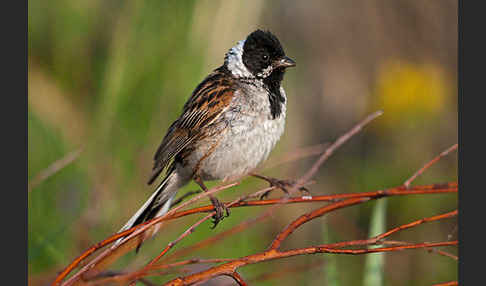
[{"x": 109, "y": 77}]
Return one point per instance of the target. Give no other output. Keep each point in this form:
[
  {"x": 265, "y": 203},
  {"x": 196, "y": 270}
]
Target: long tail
[{"x": 157, "y": 205}]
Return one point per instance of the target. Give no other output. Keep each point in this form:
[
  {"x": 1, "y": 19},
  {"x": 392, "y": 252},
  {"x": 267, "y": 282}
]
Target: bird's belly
[{"x": 239, "y": 149}]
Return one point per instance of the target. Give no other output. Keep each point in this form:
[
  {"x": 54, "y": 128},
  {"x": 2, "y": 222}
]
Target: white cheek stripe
[{"x": 234, "y": 61}]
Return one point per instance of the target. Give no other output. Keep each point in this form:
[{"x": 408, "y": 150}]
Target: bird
[{"x": 228, "y": 126}]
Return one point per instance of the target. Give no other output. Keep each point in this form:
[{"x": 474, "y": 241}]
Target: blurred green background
[{"x": 109, "y": 77}]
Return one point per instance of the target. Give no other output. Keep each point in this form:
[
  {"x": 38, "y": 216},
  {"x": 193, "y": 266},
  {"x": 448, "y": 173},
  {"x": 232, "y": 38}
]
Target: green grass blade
[
  {"x": 330, "y": 267},
  {"x": 373, "y": 273}
]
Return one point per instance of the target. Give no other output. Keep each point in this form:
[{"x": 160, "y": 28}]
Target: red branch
[
  {"x": 327, "y": 248},
  {"x": 397, "y": 191},
  {"x": 271, "y": 254},
  {"x": 451, "y": 283},
  {"x": 274, "y": 253},
  {"x": 310, "y": 216},
  {"x": 213, "y": 239}
]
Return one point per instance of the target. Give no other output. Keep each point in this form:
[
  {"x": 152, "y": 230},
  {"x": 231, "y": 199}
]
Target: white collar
[{"x": 234, "y": 61}]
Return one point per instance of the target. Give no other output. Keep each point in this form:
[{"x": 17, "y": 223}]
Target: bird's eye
[{"x": 265, "y": 57}]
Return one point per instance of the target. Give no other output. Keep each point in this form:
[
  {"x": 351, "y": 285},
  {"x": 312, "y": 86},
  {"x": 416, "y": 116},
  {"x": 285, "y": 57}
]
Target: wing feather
[{"x": 208, "y": 101}]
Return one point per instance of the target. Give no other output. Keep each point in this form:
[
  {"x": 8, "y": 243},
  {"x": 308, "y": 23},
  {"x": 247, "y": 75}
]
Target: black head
[{"x": 263, "y": 54}]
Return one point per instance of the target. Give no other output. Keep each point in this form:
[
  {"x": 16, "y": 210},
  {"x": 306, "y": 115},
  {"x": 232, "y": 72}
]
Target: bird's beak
[{"x": 285, "y": 62}]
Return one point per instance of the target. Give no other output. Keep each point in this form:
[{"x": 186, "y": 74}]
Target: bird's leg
[
  {"x": 283, "y": 185},
  {"x": 219, "y": 207}
]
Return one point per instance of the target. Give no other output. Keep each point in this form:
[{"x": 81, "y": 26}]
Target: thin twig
[
  {"x": 216, "y": 238},
  {"x": 417, "y": 222},
  {"x": 430, "y": 163},
  {"x": 237, "y": 278},
  {"x": 430, "y": 250},
  {"x": 334, "y": 146},
  {"x": 184, "y": 234},
  {"x": 138, "y": 275},
  {"x": 191, "y": 261},
  {"x": 142, "y": 227},
  {"x": 281, "y": 272},
  {"x": 450, "y": 283},
  {"x": 188, "y": 194},
  {"x": 323, "y": 210},
  {"x": 380, "y": 238},
  {"x": 54, "y": 168},
  {"x": 187, "y": 232},
  {"x": 191, "y": 229},
  {"x": 107, "y": 276},
  {"x": 294, "y": 155},
  {"x": 310, "y": 216}
]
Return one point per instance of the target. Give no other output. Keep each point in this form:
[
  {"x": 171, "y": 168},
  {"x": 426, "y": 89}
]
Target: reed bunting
[{"x": 229, "y": 125}]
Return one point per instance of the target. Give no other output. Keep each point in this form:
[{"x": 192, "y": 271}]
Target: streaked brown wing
[{"x": 208, "y": 101}]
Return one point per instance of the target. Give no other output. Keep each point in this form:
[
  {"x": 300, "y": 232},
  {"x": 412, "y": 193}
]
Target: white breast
[{"x": 250, "y": 135}]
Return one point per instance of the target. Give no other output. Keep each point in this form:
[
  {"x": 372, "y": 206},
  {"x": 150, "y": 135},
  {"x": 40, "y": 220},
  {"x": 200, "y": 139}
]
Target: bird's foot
[
  {"x": 221, "y": 210},
  {"x": 284, "y": 185}
]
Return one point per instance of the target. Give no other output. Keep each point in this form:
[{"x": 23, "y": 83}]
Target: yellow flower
[{"x": 410, "y": 92}]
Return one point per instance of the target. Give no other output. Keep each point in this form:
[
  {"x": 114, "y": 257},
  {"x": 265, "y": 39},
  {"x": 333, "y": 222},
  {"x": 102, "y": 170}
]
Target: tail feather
[{"x": 157, "y": 205}]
